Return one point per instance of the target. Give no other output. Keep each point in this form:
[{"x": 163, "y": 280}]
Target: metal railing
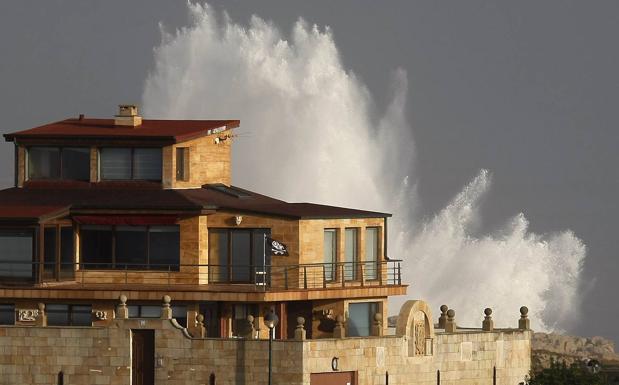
[{"x": 285, "y": 277}]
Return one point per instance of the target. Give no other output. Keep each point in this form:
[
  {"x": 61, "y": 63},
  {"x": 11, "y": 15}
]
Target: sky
[{"x": 527, "y": 90}]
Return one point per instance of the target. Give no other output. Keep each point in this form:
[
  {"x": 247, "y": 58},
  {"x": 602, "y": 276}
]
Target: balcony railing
[{"x": 280, "y": 277}]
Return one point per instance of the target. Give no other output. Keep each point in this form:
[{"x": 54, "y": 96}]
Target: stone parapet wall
[{"x": 102, "y": 355}]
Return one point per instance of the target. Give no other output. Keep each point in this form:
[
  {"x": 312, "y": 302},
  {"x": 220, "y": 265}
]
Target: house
[{"x": 126, "y": 255}]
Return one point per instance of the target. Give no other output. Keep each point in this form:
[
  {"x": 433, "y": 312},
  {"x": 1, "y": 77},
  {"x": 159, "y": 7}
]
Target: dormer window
[
  {"x": 69, "y": 163},
  {"x": 131, "y": 163}
]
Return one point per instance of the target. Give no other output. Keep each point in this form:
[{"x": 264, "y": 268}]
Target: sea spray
[{"x": 310, "y": 132}]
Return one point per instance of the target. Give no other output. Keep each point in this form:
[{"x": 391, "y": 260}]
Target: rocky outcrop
[{"x": 570, "y": 349}]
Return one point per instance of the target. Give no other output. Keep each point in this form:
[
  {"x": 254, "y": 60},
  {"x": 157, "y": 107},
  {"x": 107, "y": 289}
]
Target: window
[
  {"x": 350, "y": 255},
  {"x": 237, "y": 255},
  {"x": 152, "y": 311},
  {"x": 7, "y": 314},
  {"x": 371, "y": 253},
  {"x": 130, "y": 247},
  {"x": 240, "y": 312},
  {"x": 68, "y": 315},
  {"x": 16, "y": 254},
  {"x": 330, "y": 254},
  {"x": 58, "y": 261},
  {"x": 360, "y": 318},
  {"x": 131, "y": 163},
  {"x": 71, "y": 163},
  {"x": 182, "y": 164}
]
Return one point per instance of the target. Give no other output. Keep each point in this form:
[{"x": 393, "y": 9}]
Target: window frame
[
  {"x": 11, "y": 309},
  {"x": 131, "y": 165},
  {"x": 375, "y": 262},
  {"x": 182, "y": 153},
  {"x": 70, "y": 313},
  {"x": 61, "y": 177},
  {"x": 34, "y": 254},
  {"x": 371, "y": 304},
  {"x": 334, "y": 263},
  {"x": 127, "y": 266},
  {"x": 252, "y": 260}
]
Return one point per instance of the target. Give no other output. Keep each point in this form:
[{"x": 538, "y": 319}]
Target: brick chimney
[{"x": 127, "y": 116}]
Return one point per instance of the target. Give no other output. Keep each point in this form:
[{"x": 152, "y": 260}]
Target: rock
[{"x": 546, "y": 347}]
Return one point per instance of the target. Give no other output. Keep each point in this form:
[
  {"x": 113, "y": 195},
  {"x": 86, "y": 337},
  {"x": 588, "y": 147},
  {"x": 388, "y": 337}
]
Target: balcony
[{"x": 186, "y": 276}]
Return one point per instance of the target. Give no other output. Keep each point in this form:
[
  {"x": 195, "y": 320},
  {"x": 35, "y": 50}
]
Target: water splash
[{"x": 310, "y": 132}]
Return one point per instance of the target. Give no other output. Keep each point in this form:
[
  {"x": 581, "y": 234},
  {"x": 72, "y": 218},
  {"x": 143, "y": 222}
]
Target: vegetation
[{"x": 560, "y": 374}]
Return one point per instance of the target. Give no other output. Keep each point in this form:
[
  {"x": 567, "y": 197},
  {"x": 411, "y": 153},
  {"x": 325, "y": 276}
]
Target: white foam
[{"x": 310, "y": 132}]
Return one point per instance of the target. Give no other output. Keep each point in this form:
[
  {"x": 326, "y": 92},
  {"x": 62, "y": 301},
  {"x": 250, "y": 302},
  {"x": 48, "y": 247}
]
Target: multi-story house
[{"x": 141, "y": 209}]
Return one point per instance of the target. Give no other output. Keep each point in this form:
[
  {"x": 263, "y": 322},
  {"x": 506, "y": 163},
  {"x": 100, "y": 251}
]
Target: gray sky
[{"x": 527, "y": 89}]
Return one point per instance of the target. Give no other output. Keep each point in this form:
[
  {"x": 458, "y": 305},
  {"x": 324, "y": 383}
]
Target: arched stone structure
[{"x": 415, "y": 322}]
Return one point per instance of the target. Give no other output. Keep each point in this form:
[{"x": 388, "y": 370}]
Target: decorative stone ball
[
  {"x": 41, "y": 306},
  {"x": 451, "y": 313},
  {"x": 250, "y": 318},
  {"x": 444, "y": 308},
  {"x": 300, "y": 321},
  {"x": 122, "y": 299},
  {"x": 167, "y": 299},
  {"x": 200, "y": 318},
  {"x": 487, "y": 311},
  {"x": 524, "y": 311},
  {"x": 378, "y": 317},
  {"x": 339, "y": 319}
]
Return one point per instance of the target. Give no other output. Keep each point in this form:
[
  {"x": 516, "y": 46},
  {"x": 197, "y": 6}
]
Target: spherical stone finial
[
  {"x": 378, "y": 317},
  {"x": 41, "y": 306},
  {"x": 487, "y": 312},
  {"x": 167, "y": 299},
  {"x": 444, "y": 308},
  {"x": 300, "y": 321},
  {"x": 524, "y": 311},
  {"x": 250, "y": 318},
  {"x": 339, "y": 319},
  {"x": 200, "y": 318},
  {"x": 123, "y": 299},
  {"x": 451, "y": 313}
]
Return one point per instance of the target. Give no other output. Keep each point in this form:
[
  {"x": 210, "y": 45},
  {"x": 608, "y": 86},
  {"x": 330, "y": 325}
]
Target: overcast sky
[{"x": 526, "y": 89}]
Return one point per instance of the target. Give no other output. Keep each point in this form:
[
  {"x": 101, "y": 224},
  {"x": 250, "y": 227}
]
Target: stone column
[
  {"x": 524, "y": 323},
  {"x": 488, "y": 324},
  {"x": 166, "y": 309},
  {"x": 299, "y": 332},
  {"x": 122, "y": 312},
  {"x": 339, "y": 331},
  {"x": 450, "y": 324},
  {"x": 377, "y": 326},
  {"x": 443, "y": 318},
  {"x": 41, "y": 319}
]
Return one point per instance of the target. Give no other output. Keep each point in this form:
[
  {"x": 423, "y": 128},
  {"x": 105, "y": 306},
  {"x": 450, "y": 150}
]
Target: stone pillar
[
  {"x": 166, "y": 309},
  {"x": 443, "y": 318},
  {"x": 488, "y": 324},
  {"x": 299, "y": 331},
  {"x": 339, "y": 331},
  {"x": 377, "y": 326},
  {"x": 41, "y": 319},
  {"x": 200, "y": 327},
  {"x": 450, "y": 324},
  {"x": 121, "y": 310},
  {"x": 524, "y": 323}
]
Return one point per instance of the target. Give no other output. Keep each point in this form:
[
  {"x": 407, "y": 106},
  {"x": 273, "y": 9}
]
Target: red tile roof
[
  {"x": 41, "y": 200},
  {"x": 87, "y": 128}
]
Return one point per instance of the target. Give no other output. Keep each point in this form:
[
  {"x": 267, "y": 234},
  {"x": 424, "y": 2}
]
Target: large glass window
[
  {"x": 72, "y": 163},
  {"x": 58, "y": 261},
  {"x": 131, "y": 163},
  {"x": 16, "y": 254},
  {"x": 7, "y": 314},
  {"x": 371, "y": 253},
  {"x": 330, "y": 254},
  {"x": 130, "y": 247},
  {"x": 238, "y": 255},
  {"x": 182, "y": 163},
  {"x": 68, "y": 315},
  {"x": 350, "y": 254},
  {"x": 152, "y": 311},
  {"x": 360, "y": 316}
]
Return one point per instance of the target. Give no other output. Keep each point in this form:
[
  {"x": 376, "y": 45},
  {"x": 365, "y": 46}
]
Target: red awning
[{"x": 129, "y": 220}]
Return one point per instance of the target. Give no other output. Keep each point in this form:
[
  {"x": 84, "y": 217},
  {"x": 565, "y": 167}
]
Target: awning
[{"x": 129, "y": 220}]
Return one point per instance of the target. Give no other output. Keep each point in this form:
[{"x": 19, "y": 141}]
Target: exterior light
[{"x": 270, "y": 321}]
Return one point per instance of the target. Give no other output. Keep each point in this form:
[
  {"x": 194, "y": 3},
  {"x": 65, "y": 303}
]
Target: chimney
[{"x": 127, "y": 116}]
